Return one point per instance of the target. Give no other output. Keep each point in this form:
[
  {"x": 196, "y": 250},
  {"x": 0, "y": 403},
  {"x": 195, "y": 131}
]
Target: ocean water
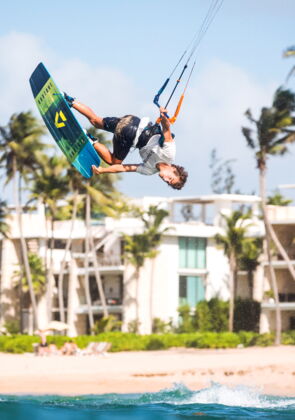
[{"x": 215, "y": 402}]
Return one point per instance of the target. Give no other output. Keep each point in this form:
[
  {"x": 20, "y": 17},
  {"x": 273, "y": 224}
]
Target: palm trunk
[
  {"x": 50, "y": 282},
  {"x": 250, "y": 282},
  {"x": 137, "y": 298},
  {"x": 268, "y": 230},
  {"x": 86, "y": 278},
  {"x": 46, "y": 255},
  {"x": 98, "y": 278},
  {"x": 152, "y": 293},
  {"x": 24, "y": 250},
  {"x": 63, "y": 263},
  {"x": 232, "y": 267}
]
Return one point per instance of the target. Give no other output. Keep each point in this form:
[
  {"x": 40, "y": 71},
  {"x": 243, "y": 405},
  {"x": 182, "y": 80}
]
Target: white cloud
[
  {"x": 212, "y": 114},
  {"x": 212, "y": 117},
  {"x": 107, "y": 90}
]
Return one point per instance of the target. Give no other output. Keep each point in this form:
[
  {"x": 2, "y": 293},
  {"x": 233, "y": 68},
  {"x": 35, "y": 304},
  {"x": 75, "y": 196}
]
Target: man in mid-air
[{"x": 155, "y": 143}]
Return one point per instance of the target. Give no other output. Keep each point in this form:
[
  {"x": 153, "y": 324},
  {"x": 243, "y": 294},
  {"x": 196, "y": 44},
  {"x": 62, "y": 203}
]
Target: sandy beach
[{"x": 271, "y": 370}]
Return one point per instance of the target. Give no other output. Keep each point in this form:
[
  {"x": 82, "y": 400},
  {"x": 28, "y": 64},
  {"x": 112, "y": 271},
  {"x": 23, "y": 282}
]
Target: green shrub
[
  {"x": 12, "y": 327},
  {"x": 247, "y": 338},
  {"x": 263, "y": 340},
  {"x": 202, "y": 317},
  {"x": 186, "y": 320},
  {"x": 288, "y": 337},
  {"x": 134, "y": 342},
  {"x": 155, "y": 344},
  {"x": 161, "y": 327},
  {"x": 247, "y": 314},
  {"x": 219, "y": 314},
  {"x": 106, "y": 324}
]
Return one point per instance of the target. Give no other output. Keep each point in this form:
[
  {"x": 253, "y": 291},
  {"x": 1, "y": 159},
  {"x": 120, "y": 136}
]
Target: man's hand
[
  {"x": 113, "y": 169},
  {"x": 164, "y": 120},
  {"x": 165, "y": 123},
  {"x": 96, "y": 169}
]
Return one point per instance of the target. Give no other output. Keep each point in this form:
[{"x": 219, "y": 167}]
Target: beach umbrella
[{"x": 57, "y": 326}]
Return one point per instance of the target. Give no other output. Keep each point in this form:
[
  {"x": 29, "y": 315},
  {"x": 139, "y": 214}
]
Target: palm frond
[{"x": 247, "y": 134}]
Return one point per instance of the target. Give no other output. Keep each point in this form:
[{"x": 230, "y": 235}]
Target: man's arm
[
  {"x": 114, "y": 169},
  {"x": 165, "y": 123}
]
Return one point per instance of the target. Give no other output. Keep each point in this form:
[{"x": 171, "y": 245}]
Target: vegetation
[
  {"x": 222, "y": 176},
  {"x": 4, "y": 227},
  {"x": 134, "y": 342},
  {"x": 232, "y": 242},
  {"x": 277, "y": 199},
  {"x": 20, "y": 147},
  {"x": 141, "y": 246},
  {"x": 26, "y": 161},
  {"x": 273, "y": 132}
]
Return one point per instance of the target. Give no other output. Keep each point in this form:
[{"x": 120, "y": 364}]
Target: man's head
[{"x": 174, "y": 175}]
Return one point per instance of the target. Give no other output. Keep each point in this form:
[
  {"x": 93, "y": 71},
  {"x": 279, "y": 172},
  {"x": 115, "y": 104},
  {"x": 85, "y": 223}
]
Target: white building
[{"x": 188, "y": 268}]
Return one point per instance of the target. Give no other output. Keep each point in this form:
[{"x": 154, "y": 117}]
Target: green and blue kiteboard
[{"x": 61, "y": 122}]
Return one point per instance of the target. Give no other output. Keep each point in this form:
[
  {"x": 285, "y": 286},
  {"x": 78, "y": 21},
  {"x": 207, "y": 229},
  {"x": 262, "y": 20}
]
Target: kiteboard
[{"x": 61, "y": 122}]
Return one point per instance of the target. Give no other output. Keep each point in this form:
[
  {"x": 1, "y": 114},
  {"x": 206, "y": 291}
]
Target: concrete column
[{"x": 264, "y": 326}]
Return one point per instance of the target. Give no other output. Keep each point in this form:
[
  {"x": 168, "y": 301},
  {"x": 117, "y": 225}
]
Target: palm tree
[
  {"x": 153, "y": 221},
  {"x": 273, "y": 134},
  {"x": 139, "y": 247},
  {"x": 100, "y": 196},
  {"x": 277, "y": 199},
  {"x": 50, "y": 185},
  {"x": 20, "y": 145},
  {"x": 232, "y": 243},
  {"x": 4, "y": 227},
  {"x": 249, "y": 258},
  {"x": 38, "y": 275},
  {"x": 75, "y": 182}
]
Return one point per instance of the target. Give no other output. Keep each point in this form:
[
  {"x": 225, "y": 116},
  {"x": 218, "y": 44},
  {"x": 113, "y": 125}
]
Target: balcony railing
[{"x": 105, "y": 260}]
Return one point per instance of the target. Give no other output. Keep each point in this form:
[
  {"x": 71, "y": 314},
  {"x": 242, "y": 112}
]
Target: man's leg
[
  {"x": 105, "y": 154},
  {"x": 88, "y": 113},
  {"x": 97, "y": 122}
]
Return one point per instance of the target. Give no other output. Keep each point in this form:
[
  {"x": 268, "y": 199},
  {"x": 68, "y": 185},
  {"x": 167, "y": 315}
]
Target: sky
[{"x": 114, "y": 56}]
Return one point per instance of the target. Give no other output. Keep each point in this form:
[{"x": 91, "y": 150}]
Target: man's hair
[{"x": 181, "y": 172}]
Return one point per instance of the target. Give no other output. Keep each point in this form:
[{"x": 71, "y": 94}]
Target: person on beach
[{"x": 155, "y": 143}]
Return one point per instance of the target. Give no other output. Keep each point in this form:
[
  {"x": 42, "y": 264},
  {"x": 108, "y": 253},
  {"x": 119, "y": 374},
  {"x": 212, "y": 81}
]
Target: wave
[{"x": 179, "y": 394}]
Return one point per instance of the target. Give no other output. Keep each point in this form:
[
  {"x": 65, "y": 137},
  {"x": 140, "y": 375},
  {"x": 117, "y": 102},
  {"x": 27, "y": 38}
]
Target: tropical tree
[
  {"x": 222, "y": 176},
  {"x": 75, "y": 183},
  {"x": 236, "y": 226},
  {"x": 20, "y": 146},
  {"x": 4, "y": 227},
  {"x": 277, "y": 199},
  {"x": 273, "y": 133},
  {"x": 100, "y": 197},
  {"x": 140, "y": 246},
  {"x": 153, "y": 221},
  {"x": 249, "y": 258},
  {"x": 38, "y": 275},
  {"x": 50, "y": 185}
]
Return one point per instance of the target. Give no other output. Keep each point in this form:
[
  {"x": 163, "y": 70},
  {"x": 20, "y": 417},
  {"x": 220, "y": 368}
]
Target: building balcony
[
  {"x": 284, "y": 306},
  {"x": 106, "y": 264},
  {"x": 279, "y": 263},
  {"x": 192, "y": 271},
  {"x": 98, "y": 309}
]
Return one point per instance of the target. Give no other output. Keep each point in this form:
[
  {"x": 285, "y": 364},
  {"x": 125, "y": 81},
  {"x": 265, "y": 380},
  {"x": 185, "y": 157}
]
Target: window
[
  {"x": 57, "y": 243},
  {"x": 191, "y": 290},
  {"x": 192, "y": 252}
]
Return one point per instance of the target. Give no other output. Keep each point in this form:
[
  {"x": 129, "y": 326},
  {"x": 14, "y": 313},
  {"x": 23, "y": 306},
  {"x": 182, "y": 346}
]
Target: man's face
[{"x": 170, "y": 175}]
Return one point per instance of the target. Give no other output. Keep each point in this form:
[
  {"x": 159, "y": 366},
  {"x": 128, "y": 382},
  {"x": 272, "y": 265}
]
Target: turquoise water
[{"x": 215, "y": 402}]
